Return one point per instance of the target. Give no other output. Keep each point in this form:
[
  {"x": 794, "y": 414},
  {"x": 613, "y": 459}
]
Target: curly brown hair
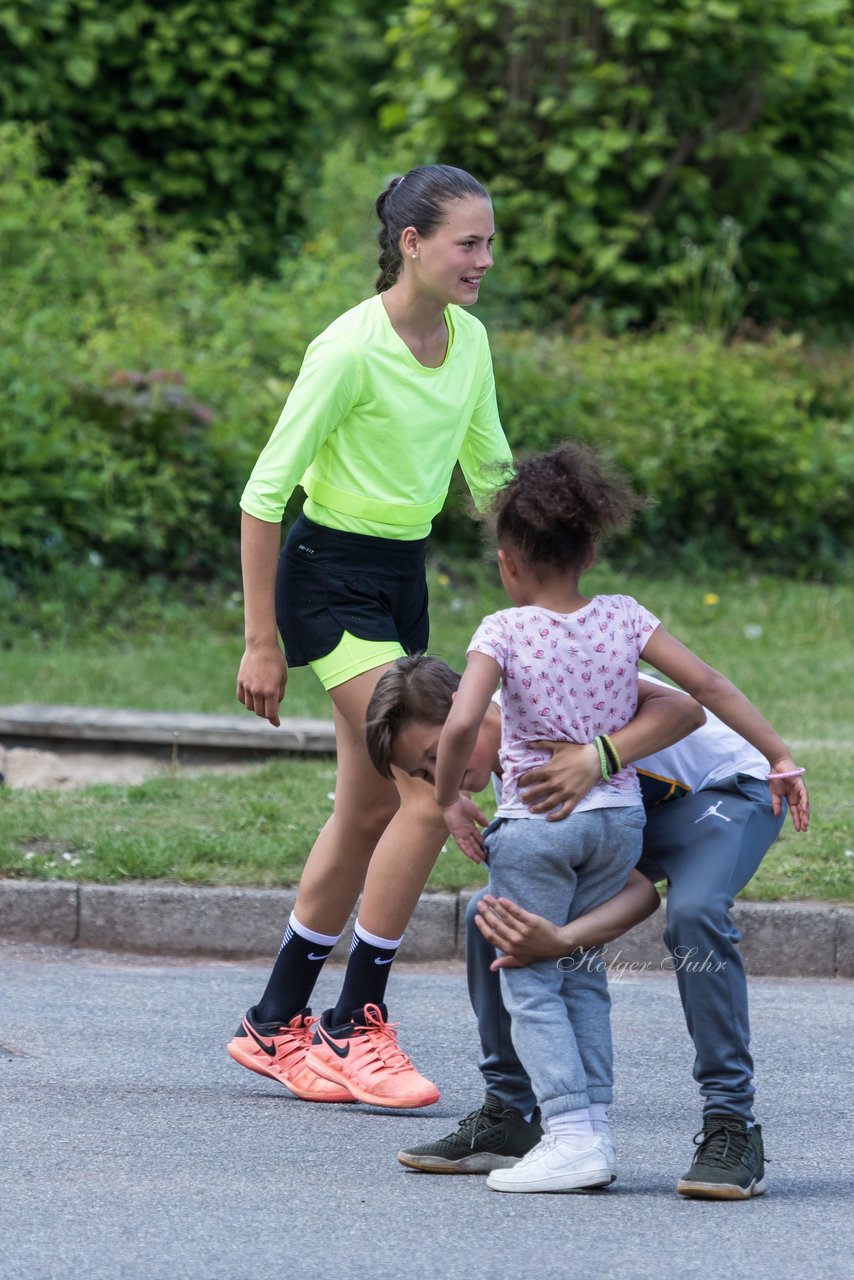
[{"x": 558, "y": 504}]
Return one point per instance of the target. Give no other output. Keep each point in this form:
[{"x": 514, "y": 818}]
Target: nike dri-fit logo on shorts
[
  {"x": 379, "y": 961},
  {"x": 268, "y": 1048},
  {"x": 312, "y": 956},
  {"x": 330, "y": 1044}
]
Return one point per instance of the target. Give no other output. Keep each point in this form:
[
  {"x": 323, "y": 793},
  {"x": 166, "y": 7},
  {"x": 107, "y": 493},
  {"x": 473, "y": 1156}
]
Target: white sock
[
  {"x": 310, "y": 935},
  {"x": 572, "y": 1126},
  {"x": 374, "y": 939},
  {"x": 599, "y": 1118}
]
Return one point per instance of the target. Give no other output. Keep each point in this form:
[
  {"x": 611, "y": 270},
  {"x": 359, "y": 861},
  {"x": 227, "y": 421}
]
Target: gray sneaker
[
  {"x": 729, "y": 1163},
  {"x": 491, "y": 1137}
]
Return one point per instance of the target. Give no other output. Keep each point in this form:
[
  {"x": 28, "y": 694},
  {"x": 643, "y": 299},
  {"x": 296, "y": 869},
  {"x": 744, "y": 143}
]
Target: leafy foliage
[
  {"x": 134, "y": 476},
  {"x": 213, "y": 110},
  {"x": 107, "y": 466},
  {"x": 620, "y": 137},
  {"x": 613, "y": 133},
  {"x": 743, "y": 456},
  {"x": 111, "y": 465}
]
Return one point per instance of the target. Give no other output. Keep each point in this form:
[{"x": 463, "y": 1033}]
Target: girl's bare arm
[
  {"x": 663, "y": 717},
  {"x": 263, "y": 671},
  {"x": 524, "y": 937},
  {"x": 712, "y": 689}
]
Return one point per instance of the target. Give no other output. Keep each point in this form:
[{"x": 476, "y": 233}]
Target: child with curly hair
[{"x": 568, "y": 669}]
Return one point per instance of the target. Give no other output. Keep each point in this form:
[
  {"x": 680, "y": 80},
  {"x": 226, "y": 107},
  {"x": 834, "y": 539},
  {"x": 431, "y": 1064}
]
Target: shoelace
[
  {"x": 384, "y": 1040},
  {"x": 306, "y": 1031},
  {"x": 546, "y": 1142},
  {"x": 296, "y": 1036},
  {"x": 478, "y": 1120},
  {"x": 725, "y": 1145}
]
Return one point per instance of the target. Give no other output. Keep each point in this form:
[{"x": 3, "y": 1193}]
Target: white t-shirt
[{"x": 712, "y": 752}]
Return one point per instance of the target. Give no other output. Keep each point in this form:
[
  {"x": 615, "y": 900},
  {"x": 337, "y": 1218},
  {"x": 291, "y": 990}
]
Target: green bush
[
  {"x": 214, "y": 111},
  {"x": 132, "y": 476},
  {"x": 613, "y": 134},
  {"x": 111, "y": 466},
  {"x": 108, "y": 464},
  {"x": 747, "y": 451},
  {"x": 618, "y": 136}
]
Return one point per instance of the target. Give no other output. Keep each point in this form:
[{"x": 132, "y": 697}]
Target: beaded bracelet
[{"x": 790, "y": 773}]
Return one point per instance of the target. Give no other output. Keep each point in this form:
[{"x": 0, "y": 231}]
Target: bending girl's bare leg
[
  {"x": 378, "y": 1072},
  {"x": 403, "y": 859},
  {"x": 335, "y": 869},
  {"x": 381, "y": 835},
  {"x": 365, "y": 803}
]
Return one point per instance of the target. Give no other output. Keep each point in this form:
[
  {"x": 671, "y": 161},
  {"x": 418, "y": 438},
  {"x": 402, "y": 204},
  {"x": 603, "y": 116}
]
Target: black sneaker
[
  {"x": 729, "y": 1163},
  {"x": 489, "y": 1138}
]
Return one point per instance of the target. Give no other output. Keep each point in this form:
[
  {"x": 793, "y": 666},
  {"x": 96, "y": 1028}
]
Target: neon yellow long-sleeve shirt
[{"x": 372, "y": 435}]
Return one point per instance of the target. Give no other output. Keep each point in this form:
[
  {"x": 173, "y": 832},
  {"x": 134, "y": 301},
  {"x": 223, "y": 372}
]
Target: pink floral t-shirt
[{"x": 567, "y": 677}]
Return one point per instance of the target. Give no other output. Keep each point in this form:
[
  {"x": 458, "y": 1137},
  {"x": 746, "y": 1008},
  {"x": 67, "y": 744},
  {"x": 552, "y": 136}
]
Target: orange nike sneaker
[
  {"x": 363, "y": 1056},
  {"x": 279, "y": 1051}
]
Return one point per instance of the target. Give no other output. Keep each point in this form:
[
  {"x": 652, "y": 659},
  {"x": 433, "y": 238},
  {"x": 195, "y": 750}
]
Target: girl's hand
[
  {"x": 521, "y": 935},
  {"x": 573, "y": 769},
  {"x": 460, "y": 818},
  {"x": 261, "y": 681},
  {"x": 793, "y": 791}
]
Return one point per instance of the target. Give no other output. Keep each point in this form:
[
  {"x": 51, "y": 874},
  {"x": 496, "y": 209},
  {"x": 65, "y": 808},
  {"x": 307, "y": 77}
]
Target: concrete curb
[
  {"x": 780, "y": 939},
  {"x": 182, "y": 732}
]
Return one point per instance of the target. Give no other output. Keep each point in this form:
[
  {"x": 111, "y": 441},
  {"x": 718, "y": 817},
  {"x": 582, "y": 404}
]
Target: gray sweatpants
[
  {"x": 560, "y": 1017},
  {"x": 707, "y": 846}
]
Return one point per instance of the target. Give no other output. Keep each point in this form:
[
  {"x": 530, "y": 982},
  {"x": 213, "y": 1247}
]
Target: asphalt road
[{"x": 132, "y": 1148}]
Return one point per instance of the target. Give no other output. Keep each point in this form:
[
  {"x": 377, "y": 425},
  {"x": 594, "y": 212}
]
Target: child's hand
[
  {"x": 460, "y": 818},
  {"x": 573, "y": 769},
  {"x": 523, "y": 936},
  {"x": 793, "y": 790}
]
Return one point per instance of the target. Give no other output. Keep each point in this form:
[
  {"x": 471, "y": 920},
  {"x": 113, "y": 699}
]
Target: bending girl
[{"x": 389, "y": 397}]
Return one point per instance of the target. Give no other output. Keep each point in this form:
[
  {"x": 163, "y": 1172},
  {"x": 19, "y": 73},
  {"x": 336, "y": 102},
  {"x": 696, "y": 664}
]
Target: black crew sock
[
  {"x": 367, "y": 974},
  {"x": 295, "y": 972}
]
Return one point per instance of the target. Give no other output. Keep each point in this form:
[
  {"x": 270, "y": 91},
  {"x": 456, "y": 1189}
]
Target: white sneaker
[
  {"x": 556, "y": 1165},
  {"x": 610, "y": 1156}
]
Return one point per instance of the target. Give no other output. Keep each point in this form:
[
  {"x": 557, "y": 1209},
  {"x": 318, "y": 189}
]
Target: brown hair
[
  {"x": 418, "y": 200},
  {"x": 558, "y": 504},
  {"x": 413, "y": 689}
]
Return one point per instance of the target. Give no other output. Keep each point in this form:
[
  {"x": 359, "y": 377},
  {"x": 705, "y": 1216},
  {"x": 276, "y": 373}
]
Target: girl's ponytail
[{"x": 389, "y": 257}]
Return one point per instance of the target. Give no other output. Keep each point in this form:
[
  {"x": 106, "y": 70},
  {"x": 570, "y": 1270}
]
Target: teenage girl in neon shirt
[{"x": 389, "y": 397}]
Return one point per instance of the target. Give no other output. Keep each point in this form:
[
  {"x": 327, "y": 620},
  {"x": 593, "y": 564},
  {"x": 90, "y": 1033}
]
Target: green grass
[
  {"x": 787, "y": 645},
  {"x": 251, "y": 829}
]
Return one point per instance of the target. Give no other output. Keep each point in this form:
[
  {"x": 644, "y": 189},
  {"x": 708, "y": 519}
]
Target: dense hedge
[
  {"x": 214, "y": 110},
  {"x": 139, "y": 379},
  {"x": 747, "y": 450},
  {"x": 619, "y": 137}
]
